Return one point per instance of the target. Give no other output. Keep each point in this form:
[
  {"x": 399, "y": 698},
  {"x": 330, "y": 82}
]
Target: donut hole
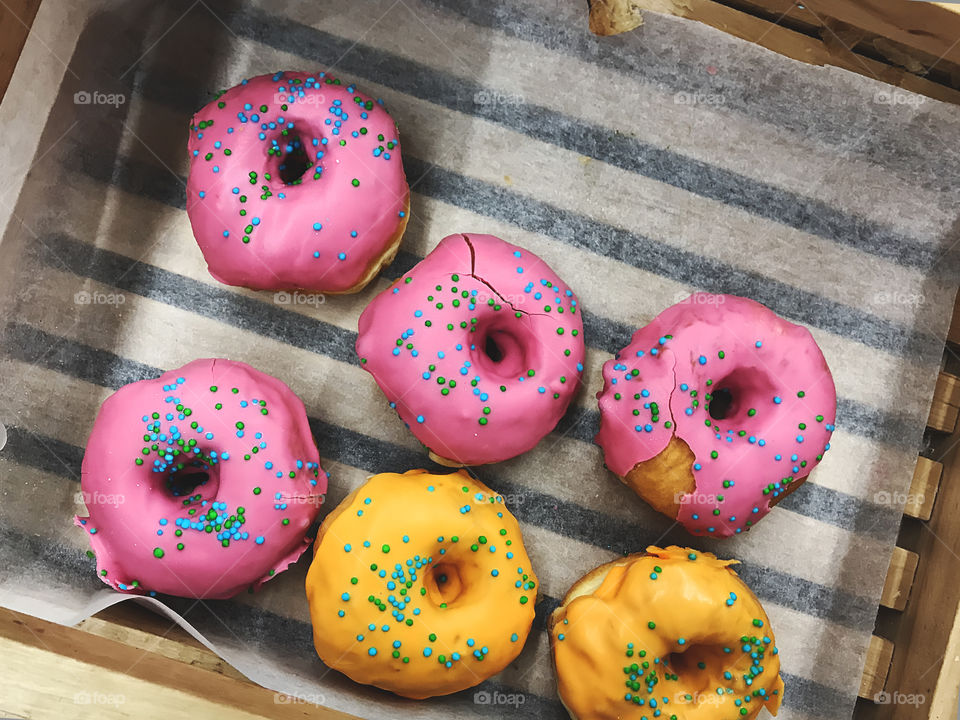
[
  {"x": 737, "y": 397},
  {"x": 721, "y": 403},
  {"x": 193, "y": 478},
  {"x": 294, "y": 161},
  {"x": 695, "y": 665},
  {"x": 443, "y": 584},
  {"x": 501, "y": 350},
  {"x": 492, "y": 350}
]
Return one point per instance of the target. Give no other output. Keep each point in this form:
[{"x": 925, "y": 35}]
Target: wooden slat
[
  {"x": 923, "y": 489},
  {"x": 945, "y": 702},
  {"x": 16, "y": 17},
  {"x": 876, "y": 667},
  {"x": 900, "y": 573},
  {"x": 173, "y": 648},
  {"x": 52, "y": 671},
  {"x": 797, "y": 45},
  {"x": 945, "y": 408},
  {"x": 927, "y": 27},
  {"x": 834, "y": 27},
  {"x": 943, "y": 417},
  {"x": 923, "y": 631},
  {"x": 953, "y": 334},
  {"x": 947, "y": 389}
]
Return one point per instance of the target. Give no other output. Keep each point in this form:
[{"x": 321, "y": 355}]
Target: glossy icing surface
[
  {"x": 262, "y": 224},
  {"x": 670, "y": 634},
  {"x": 749, "y": 392},
  {"x": 200, "y": 483},
  {"x": 420, "y": 584},
  {"x": 479, "y": 348}
]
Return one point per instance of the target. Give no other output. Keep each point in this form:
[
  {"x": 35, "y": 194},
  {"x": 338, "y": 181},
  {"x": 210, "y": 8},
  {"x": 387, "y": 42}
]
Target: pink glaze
[
  {"x": 298, "y": 235},
  {"x": 769, "y": 365},
  {"x": 419, "y": 340},
  {"x": 135, "y": 515}
]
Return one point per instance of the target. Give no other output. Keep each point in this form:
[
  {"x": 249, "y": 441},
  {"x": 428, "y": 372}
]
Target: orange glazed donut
[
  {"x": 671, "y": 633},
  {"x": 420, "y": 584}
]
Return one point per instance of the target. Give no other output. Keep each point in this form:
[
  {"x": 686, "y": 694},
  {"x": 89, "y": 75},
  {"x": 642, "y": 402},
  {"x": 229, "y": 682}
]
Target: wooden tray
[
  {"x": 147, "y": 667},
  {"x": 912, "y": 668}
]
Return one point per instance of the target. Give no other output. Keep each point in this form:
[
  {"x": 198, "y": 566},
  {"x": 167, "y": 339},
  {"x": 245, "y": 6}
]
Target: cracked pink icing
[
  {"x": 769, "y": 373},
  {"x": 200, "y": 483},
  {"x": 257, "y": 227},
  {"x": 479, "y": 348}
]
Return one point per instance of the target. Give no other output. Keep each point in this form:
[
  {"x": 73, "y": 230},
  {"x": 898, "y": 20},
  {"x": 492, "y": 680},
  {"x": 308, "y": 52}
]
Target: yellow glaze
[
  {"x": 631, "y": 636},
  {"x": 457, "y": 610}
]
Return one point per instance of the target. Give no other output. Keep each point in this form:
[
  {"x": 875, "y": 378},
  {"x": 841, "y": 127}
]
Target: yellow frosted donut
[
  {"x": 672, "y": 634},
  {"x": 420, "y": 584}
]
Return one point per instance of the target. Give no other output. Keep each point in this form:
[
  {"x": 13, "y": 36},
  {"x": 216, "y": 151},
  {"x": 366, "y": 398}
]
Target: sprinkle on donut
[
  {"x": 296, "y": 181},
  {"x": 716, "y": 411},
  {"x": 479, "y": 349},
  {"x": 208, "y": 468},
  {"x": 671, "y": 632},
  {"x": 420, "y": 584}
]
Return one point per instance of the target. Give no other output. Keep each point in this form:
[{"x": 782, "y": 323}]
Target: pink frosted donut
[
  {"x": 296, "y": 181},
  {"x": 201, "y": 483},
  {"x": 716, "y": 411},
  {"x": 479, "y": 349}
]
